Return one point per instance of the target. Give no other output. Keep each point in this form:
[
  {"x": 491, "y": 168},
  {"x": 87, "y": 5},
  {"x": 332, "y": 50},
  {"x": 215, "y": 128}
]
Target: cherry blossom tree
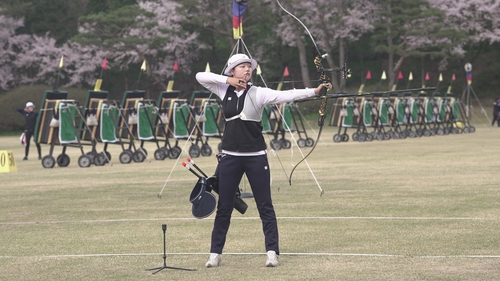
[
  {"x": 148, "y": 31},
  {"x": 332, "y": 24}
]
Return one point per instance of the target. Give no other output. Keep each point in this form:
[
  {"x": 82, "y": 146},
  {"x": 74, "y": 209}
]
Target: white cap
[
  {"x": 28, "y": 104},
  {"x": 239, "y": 59}
]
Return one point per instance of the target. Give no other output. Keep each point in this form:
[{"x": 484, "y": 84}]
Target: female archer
[{"x": 244, "y": 149}]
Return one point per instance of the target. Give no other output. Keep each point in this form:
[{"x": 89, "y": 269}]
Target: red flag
[
  {"x": 104, "y": 64},
  {"x": 368, "y": 75},
  {"x": 427, "y": 76},
  {"x": 285, "y": 73},
  {"x": 400, "y": 75},
  {"x": 453, "y": 78},
  {"x": 176, "y": 66}
]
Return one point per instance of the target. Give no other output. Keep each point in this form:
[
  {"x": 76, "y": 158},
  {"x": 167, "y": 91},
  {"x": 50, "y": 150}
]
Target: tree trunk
[
  {"x": 390, "y": 44},
  {"x": 303, "y": 61},
  {"x": 342, "y": 55}
]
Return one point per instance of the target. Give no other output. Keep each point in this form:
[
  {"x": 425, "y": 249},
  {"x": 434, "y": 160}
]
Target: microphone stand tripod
[{"x": 158, "y": 269}]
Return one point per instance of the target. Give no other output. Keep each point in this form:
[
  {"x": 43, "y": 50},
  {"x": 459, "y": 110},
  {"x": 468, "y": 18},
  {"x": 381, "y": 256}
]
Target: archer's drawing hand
[{"x": 237, "y": 83}]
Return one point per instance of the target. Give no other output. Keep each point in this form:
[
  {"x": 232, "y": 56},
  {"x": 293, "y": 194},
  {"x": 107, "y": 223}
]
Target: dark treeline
[{"x": 61, "y": 19}]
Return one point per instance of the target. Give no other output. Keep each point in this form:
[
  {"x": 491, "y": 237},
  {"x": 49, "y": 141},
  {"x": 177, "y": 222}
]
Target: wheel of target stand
[
  {"x": 387, "y": 136},
  {"x": 369, "y": 137},
  {"x": 472, "y": 129},
  {"x": 206, "y": 150},
  {"x": 286, "y": 143},
  {"x": 301, "y": 142},
  {"x": 355, "y": 137},
  {"x": 194, "y": 151},
  {"x": 275, "y": 144},
  {"x": 91, "y": 156},
  {"x": 345, "y": 137},
  {"x": 361, "y": 137},
  {"x": 84, "y": 161},
  {"x": 48, "y": 162},
  {"x": 100, "y": 159},
  {"x": 466, "y": 130},
  {"x": 337, "y": 138},
  {"x": 63, "y": 160},
  {"x": 396, "y": 135},
  {"x": 125, "y": 157},
  {"x": 159, "y": 154},
  {"x": 108, "y": 155},
  {"x": 165, "y": 151},
  {"x": 309, "y": 142},
  {"x": 138, "y": 156},
  {"x": 174, "y": 152}
]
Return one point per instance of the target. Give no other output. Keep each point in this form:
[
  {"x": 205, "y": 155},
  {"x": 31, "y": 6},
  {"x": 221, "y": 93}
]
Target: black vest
[{"x": 240, "y": 135}]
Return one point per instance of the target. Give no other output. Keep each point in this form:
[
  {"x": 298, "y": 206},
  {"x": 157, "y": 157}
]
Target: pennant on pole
[
  {"x": 285, "y": 72},
  {"x": 440, "y": 77},
  {"x": 427, "y": 77},
  {"x": 383, "y": 76},
  {"x": 143, "y": 66},
  {"x": 207, "y": 68},
  {"x": 61, "y": 62},
  {"x": 453, "y": 78},
  {"x": 368, "y": 75},
  {"x": 410, "y": 76},
  {"x": 104, "y": 64},
  {"x": 259, "y": 71},
  {"x": 400, "y": 75},
  {"x": 176, "y": 66},
  {"x": 239, "y": 7}
]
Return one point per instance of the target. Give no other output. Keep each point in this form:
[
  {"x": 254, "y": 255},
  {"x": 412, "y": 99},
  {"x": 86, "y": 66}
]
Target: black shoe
[{"x": 25, "y": 158}]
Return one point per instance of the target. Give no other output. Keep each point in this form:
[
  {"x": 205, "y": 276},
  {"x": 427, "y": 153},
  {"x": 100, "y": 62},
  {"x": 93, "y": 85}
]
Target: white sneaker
[
  {"x": 272, "y": 259},
  {"x": 214, "y": 260}
]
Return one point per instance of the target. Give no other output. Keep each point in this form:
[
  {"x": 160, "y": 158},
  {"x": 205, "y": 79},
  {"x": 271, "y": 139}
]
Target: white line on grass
[
  {"x": 247, "y": 218},
  {"x": 282, "y": 254}
]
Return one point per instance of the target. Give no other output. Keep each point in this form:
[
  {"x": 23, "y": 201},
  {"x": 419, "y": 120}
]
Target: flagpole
[
  {"x": 104, "y": 65},
  {"x": 367, "y": 76},
  {"x": 383, "y": 77},
  {"x": 56, "y": 86},
  {"x": 143, "y": 68},
  {"x": 451, "y": 82}
]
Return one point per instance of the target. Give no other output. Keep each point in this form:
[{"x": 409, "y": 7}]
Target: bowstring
[{"x": 287, "y": 128}]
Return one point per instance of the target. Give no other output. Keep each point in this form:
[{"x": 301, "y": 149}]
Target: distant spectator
[
  {"x": 496, "y": 112},
  {"x": 29, "y": 128}
]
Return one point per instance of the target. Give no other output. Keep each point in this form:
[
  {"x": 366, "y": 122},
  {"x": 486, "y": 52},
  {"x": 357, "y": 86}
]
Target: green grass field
[{"x": 414, "y": 209}]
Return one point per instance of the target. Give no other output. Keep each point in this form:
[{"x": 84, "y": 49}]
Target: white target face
[{"x": 468, "y": 67}]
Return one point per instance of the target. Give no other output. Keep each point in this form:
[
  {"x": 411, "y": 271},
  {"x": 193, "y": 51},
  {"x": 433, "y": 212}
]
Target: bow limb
[{"x": 323, "y": 78}]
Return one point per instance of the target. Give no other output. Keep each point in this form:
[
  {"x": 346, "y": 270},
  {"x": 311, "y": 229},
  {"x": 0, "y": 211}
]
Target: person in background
[
  {"x": 244, "y": 148},
  {"x": 30, "y": 117},
  {"x": 496, "y": 112}
]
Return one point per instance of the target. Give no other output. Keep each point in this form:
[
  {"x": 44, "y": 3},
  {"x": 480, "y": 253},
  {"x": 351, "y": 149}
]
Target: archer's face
[{"x": 242, "y": 71}]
